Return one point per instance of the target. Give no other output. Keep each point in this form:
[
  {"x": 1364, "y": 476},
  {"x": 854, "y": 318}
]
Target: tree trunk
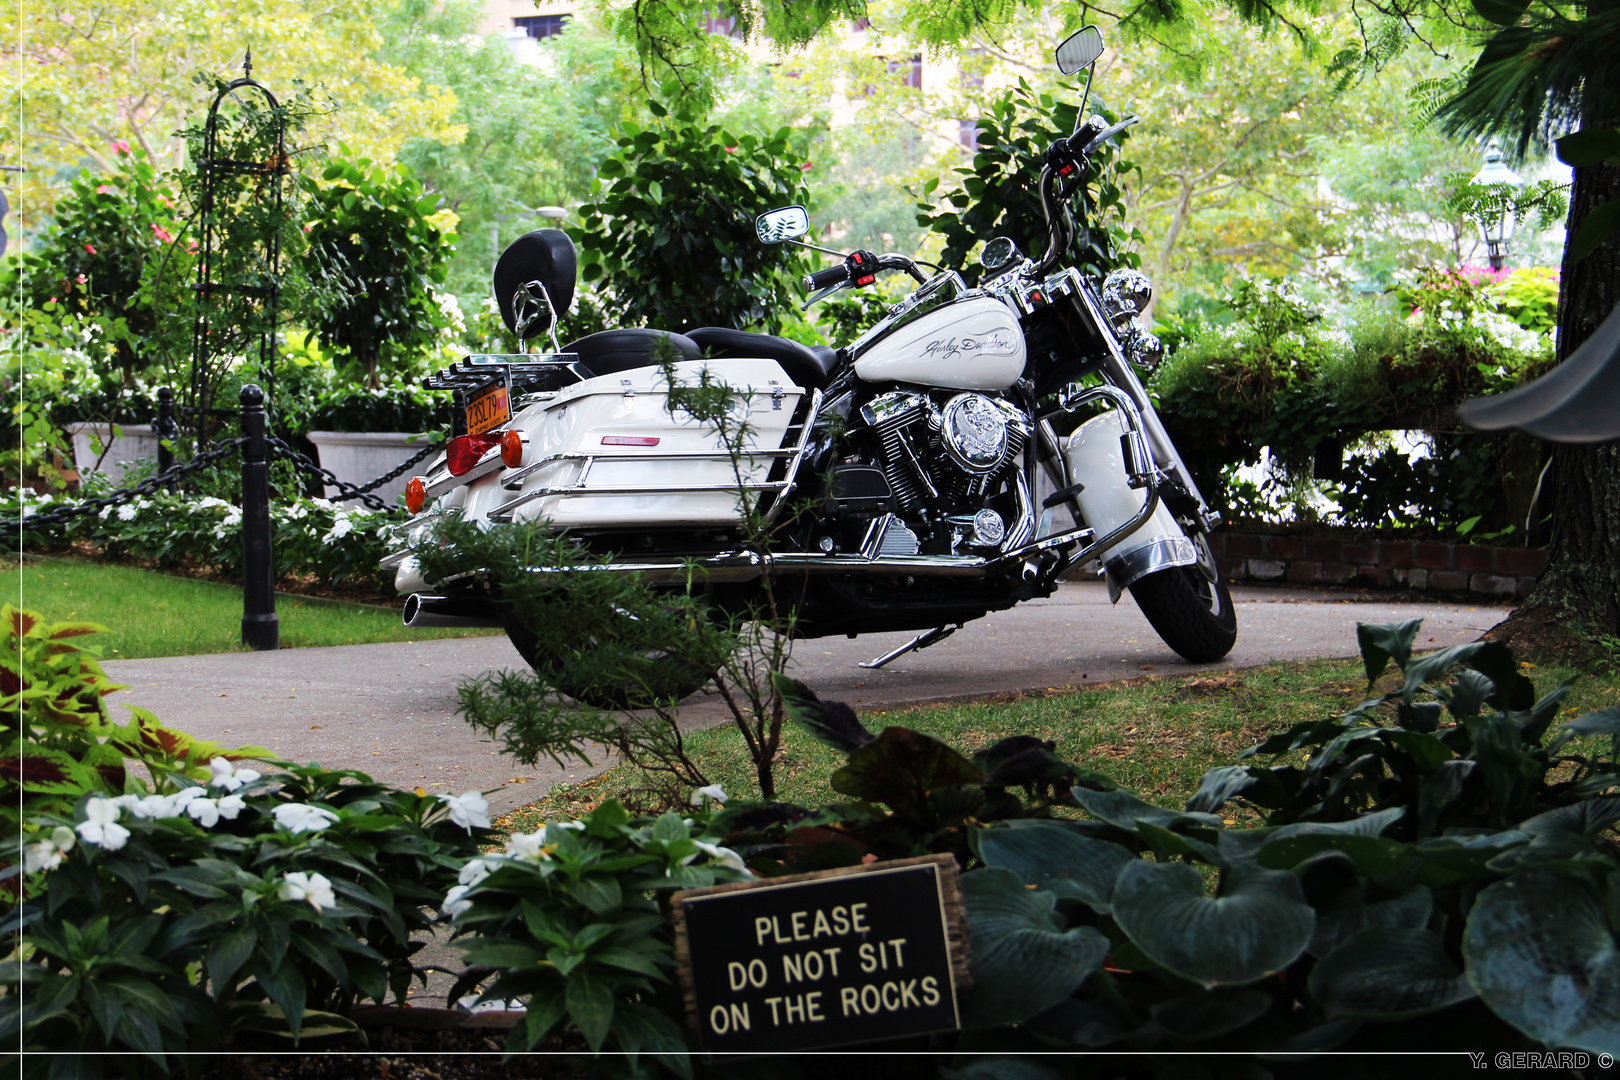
[{"x": 1578, "y": 596}]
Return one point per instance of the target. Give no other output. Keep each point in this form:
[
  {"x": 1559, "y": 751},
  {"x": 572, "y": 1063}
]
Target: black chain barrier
[
  {"x": 347, "y": 491},
  {"x": 63, "y": 514}
]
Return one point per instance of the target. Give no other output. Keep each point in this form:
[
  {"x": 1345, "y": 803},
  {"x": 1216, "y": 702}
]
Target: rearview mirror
[
  {"x": 1079, "y": 50},
  {"x": 784, "y": 223}
]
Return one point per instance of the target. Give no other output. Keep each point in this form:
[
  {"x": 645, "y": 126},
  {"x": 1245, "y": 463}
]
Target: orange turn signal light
[
  {"x": 511, "y": 449},
  {"x": 416, "y": 494}
]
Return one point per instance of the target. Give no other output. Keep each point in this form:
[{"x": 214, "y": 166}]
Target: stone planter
[
  {"x": 361, "y": 457},
  {"x": 135, "y": 443}
]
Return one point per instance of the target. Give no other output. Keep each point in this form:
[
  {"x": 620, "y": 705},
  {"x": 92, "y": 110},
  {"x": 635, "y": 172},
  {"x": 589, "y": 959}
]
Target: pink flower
[
  {"x": 105, "y": 189},
  {"x": 90, "y": 249},
  {"x": 731, "y": 149},
  {"x": 161, "y": 233},
  {"x": 121, "y": 146},
  {"x": 805, "y": 167}
]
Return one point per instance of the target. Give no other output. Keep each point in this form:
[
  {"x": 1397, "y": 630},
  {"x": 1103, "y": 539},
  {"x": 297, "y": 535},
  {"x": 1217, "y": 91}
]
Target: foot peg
[{"x": 921, "y": 641}]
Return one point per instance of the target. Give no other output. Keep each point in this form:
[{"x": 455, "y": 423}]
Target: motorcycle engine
[{"x": 951, "y": 454}]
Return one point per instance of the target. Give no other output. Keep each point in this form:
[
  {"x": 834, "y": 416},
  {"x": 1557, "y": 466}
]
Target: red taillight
[
  {"x": 511, "y": 449},
  {"x": 465, "y": 451},
  {"x": 415, "y": 494}
]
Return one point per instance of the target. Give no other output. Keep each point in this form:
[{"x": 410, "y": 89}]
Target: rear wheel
[
  {"x": 1190, "y": 607},
  {"x": 623, "y": 661}
]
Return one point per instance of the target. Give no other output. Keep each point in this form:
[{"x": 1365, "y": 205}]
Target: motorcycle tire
[
  {"x": 657, "y": 676},
  {"x": 1190, "y": 608}
]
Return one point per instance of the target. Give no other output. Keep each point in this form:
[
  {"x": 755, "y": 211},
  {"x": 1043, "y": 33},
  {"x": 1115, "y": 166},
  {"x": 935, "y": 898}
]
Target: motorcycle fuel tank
[{"x": 972, "y": 344}]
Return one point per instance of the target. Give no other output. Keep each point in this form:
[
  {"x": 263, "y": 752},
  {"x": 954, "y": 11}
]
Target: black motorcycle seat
[
  {"x": 613, "y": 351},
  {"x": 807, "y": 367}
]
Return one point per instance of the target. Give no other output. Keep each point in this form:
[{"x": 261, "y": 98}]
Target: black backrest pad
[
  {"x": 807, "y": 367},
  {"x": 545, "y": 255},
  {"x": 621, "y": 350}
]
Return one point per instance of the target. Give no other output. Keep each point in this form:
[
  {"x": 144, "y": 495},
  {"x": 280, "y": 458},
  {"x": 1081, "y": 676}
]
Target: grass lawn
[
  {"x": 1155, "y": 736},
  {"x": 155, "y": 614}
]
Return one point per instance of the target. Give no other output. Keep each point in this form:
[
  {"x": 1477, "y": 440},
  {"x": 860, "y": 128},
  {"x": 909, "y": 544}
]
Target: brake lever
[{"x": 823, "y": 294}]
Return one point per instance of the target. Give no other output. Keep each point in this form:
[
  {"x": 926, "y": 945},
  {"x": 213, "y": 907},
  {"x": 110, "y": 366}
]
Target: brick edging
[{"x": 1505, "y": 572}]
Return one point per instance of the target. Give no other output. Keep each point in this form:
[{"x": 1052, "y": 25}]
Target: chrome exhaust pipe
[{"x": 423, "y": 612}]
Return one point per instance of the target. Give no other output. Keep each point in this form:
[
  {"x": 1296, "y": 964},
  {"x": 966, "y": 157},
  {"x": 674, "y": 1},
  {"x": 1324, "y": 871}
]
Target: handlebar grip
[{"x": 823, "y": 279}]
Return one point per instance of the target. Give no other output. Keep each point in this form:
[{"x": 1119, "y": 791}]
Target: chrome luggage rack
[{"x": 535, "y": 371}]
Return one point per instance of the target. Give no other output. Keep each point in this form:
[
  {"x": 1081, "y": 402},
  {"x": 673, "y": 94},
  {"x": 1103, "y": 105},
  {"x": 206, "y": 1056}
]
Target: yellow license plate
[{"x": 488, "y": 409}]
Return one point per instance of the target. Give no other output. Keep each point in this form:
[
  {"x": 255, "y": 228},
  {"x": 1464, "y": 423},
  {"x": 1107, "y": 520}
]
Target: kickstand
[{"x": 921, "y": 641}]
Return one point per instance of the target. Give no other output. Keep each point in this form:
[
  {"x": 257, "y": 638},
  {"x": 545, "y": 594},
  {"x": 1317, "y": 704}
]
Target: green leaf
[
  {"x": 1602, "y": 722},
  {"x": 1258, "y": 925},
  {"x": 1541, "y": 951},
  {"x": 1382, "y": 973},
  {"x": 1382, "y": 642},
  {"x": 1123, "y": 810},
  {"x": 227, "y": 956},
  {"x": 1589, "y": 147},
  {"x": 1374, "y": 856},
  {"x": 1599, "y": 224},
  {"x": 502, "y": 954},
  {"x": 1501, "y": 12},
  {"x": 1023, "y": 962},
  {"x": 1219, "y": 786},
  {"x": 831, "y": 722},
  {"x": 1057, "y": 859},
  {"x": 590, "y": 1006},
  {"x": 1211, "y": 1013},
  {"x": 656, "y": 109},
  {"x": 1589, "y": 819},
  {"x": 900, "y": 767}
]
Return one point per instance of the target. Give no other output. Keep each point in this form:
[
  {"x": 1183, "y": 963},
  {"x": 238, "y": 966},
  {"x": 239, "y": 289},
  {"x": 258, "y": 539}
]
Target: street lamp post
[{"x": 1496, "y": 226}]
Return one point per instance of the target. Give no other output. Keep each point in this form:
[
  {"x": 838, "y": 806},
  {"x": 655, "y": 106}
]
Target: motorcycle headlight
[{"x": 1125, "y": 293}]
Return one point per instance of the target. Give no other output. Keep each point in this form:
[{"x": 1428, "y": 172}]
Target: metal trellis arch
[{"x": 249, "y": 305}]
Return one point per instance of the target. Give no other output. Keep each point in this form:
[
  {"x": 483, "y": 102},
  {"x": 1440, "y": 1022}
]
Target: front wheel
[{"x": 1190, "y": 607}]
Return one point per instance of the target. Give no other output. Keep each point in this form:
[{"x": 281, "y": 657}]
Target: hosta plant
[{"x": 1422, "y": 887}]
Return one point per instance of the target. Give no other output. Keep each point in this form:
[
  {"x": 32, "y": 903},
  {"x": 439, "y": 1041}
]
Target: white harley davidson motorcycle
[{"x": 897, "y": 476}]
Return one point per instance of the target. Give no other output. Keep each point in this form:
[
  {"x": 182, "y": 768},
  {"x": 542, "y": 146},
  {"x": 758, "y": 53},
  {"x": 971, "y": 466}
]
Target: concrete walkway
[{"x": 390, "y": 710}]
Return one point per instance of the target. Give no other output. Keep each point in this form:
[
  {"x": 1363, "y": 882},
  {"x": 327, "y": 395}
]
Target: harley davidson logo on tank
[
  {"x": 973, "y": 344},
  {"x": 998, "y": 344}
]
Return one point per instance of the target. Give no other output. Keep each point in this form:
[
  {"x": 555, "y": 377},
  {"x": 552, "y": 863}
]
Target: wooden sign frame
[{"x": 953, "y": 916}]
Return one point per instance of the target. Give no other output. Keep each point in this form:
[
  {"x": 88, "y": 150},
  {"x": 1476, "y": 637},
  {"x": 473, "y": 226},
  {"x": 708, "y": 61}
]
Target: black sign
[{"x": 842, "y": 956}]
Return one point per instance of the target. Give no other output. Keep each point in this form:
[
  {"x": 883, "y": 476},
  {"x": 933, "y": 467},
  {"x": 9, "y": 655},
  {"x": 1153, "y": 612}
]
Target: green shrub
[
  {"x": 668, "y": 235},
  {"x": 333, "y": 542},
  {"x": 164, "y": 912},
  {"x": 1000, "y": 195},
  {"x": 60, "y": 743},
  {"x": 374, "y": 253},
  {"x": 574, "y": 919}
]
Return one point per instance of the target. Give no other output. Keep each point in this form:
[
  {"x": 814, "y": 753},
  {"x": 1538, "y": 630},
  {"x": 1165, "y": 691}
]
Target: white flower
[
  {"x": 301, "y": 817},
  {"x": 230, "y": 806},
  {"x": 208, "y": 501},
  {"x": 475, "y": 871},
  {"x": 713, "y": 791},
  {"x": 99, "y": 825},
  {"x": 228, "y": 776},
  {"x": 47, "y": 853},
  {"x": 528, "y": 847},
  {"x": 468, "y": 809},
  {"x": 204, "y": 811},
  {"x": 126, "y": 512},
  {"x": 312, "y": 887},
  {"x": 152, "y": 806},
  {"x": 106, "y": 511},
  {"x": 454, "y": 904},
  {"x": 181, "y": 799},
  {"x": 340, "y": 528},
  {"x": 722, "y": 855}
]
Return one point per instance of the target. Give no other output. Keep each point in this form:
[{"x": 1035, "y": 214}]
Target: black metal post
[
  {"x": 260, "y": 627},
  {"x": 163, "y": 427}
]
